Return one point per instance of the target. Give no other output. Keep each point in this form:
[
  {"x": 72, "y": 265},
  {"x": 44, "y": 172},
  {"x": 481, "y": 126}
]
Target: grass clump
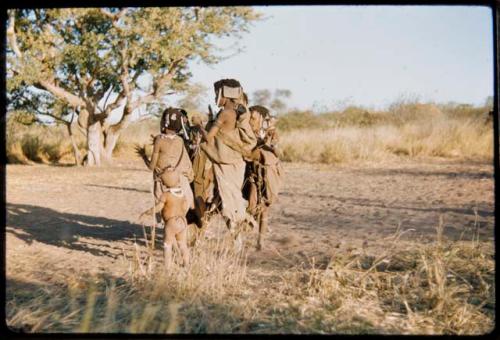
[
  {"x": 441, "y": 287},
  {"x": 405, "y": 129},
  {"x": 438, "y": 137}
]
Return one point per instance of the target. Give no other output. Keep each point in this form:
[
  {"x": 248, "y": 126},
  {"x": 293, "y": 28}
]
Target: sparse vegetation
[
  {"x": 436, "y": 288},
  {"x": 37, "y": 144},
  {"x": 405, "y": 130},
  {"x": 408, "y": 130},
  {"x": 442, "y": 287}
]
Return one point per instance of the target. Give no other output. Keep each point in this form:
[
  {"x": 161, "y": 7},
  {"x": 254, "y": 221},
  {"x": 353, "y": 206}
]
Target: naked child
[{"x": 173, "y": 205}]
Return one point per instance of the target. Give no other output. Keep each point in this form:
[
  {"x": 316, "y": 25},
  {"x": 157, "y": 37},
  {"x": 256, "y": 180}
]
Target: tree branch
[
  {"x": 114, "y": 17},
  {"x": 101, "y": 95},
  {"x": 125, "y": 74},
  {"x": 158, "y": 85},
  {"x": 116, "y": 104},
  {"x": 53, "y": 116},
  {"x": 62, "y": 93},
  {"x": 108, "y": 14},
  {"x": 11, "y": 35}
]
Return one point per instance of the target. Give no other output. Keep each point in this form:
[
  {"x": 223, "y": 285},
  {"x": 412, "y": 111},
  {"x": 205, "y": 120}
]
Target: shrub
[
  {"x": 410, "y": 287},
  {"x": 299, "y": 120},
  {"x": 31, "y": 146}
]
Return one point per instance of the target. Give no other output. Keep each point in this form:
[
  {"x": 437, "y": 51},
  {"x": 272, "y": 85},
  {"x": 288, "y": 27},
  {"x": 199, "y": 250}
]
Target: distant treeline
[
  {"x": 354, "y": 133},
  {"x": 397, "y": 114}
]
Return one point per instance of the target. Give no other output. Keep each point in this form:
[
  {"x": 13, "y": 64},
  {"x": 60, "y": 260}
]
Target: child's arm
[
  {"x": 155, "y": 155},
  {"x": 185, "y": 205},
  {"x": 141, "y": 151},
  {"x": 157, "y": 208}
]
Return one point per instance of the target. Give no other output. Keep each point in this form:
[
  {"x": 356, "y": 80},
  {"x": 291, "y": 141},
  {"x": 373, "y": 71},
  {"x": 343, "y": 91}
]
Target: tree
[
  {"x": 193, "y": 98},
  {"x": 274, "y": 101},
  {"x": 39, "y": 108},
  {"x": 278, "y": 103},
  {"x": 261, "y": 97},
  {"x": 97, "y": 60}
]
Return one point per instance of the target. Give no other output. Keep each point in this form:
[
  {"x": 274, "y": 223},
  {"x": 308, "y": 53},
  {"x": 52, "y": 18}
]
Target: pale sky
[{"x": 365, "y": 55}]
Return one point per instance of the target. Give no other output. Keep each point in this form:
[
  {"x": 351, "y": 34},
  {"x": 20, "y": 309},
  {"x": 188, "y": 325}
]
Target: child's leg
[
  {"x": 167, "y": 245},
  {"x": 182, "y": 242},
  {"x": 173, "y": 227}
]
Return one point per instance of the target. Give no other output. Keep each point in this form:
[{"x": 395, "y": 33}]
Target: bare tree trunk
[
  {"x": 76, "y": 152},
  {"x": 109, "y": 144},
  {"x": 94, "y": 144},
  {"x": 113, "y": 134}
]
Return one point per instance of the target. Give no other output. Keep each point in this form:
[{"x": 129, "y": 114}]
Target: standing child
[
  {"x": 169, "y": 151},
  {"x": 173, "y": 206}
]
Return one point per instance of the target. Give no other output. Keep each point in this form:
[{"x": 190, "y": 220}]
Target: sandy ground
[{"x": 66, "y": 221}]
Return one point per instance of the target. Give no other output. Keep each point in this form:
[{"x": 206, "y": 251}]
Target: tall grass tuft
[
  {"x": 437, "y": 137},
  {"x": 441, "y": 287},
  {"x": 31, "y": 147},
  {"x": 406, "y": 129},
  {"x": 37, "y": 143}
]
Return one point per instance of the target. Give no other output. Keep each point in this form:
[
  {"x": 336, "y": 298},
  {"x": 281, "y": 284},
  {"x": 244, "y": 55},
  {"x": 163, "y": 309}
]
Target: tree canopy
[
  {"x": 276, "y": 101},
  {"x": 91, "y": 60}
]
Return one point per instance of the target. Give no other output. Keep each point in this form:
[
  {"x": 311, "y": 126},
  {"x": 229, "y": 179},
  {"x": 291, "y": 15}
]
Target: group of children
[{"x": 235, "y": 160}]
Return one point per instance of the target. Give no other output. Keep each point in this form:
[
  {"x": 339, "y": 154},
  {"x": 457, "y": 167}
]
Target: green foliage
[
  {"x": 299, "y": 120},
  {"x": 398, "y": 114},
  {"x": 193, "y": 98},
  {"x": 85, "y": 51}
]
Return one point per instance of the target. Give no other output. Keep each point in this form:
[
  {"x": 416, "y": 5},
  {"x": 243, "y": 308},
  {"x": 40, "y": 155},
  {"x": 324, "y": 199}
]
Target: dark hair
[
  {"x": 174, "y": 124},
  {"x": 245, "y": 97},
  {"x": 226, "y": 82},
  {"x": 260, "y": 109}
]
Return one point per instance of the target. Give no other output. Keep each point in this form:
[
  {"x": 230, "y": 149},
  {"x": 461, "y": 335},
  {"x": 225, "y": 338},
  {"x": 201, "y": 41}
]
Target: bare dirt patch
[{"x": 64, "y": 222}]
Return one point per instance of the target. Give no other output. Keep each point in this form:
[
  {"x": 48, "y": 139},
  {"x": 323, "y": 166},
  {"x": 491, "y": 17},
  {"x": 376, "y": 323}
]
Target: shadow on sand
[{"x": 33, "y": 223}]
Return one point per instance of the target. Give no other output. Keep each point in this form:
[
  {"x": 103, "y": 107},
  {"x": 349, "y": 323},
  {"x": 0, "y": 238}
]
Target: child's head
[
  {"x": 170, "y": 177},
  {"x": 272, "y": 120},
  {"x": 171, "y": 120},
  {"x": 196, "y": 120}
]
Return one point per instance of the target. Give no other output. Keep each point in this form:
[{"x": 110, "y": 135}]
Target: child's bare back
[
  {"x": 174, "y": 211},
  {"x": 173, "y": 206}
]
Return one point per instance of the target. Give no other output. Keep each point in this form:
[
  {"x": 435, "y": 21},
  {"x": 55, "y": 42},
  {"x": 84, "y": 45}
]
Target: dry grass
[
  {"x": 436, "y": 288},
  {"x": 437, "y": 137},
  {"x": 405, "y": 129},
  {"x": 38, "y": 144}
]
